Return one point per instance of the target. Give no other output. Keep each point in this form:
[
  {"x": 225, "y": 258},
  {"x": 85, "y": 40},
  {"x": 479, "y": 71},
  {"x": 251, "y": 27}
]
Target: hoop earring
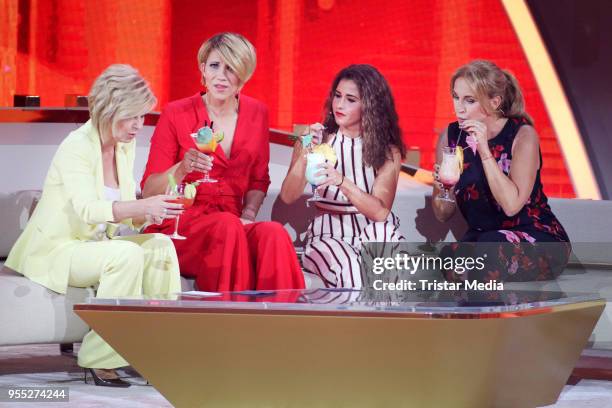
[{"x": 503, "y": 114}]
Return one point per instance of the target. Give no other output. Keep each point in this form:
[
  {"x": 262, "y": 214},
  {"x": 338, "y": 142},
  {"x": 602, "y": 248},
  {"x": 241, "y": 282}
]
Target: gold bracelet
[{"x": 487, "y": 158}]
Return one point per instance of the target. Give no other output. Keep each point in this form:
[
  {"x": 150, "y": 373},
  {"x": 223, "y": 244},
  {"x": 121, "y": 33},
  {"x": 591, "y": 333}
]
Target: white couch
[{"x": 29, "y": 313}]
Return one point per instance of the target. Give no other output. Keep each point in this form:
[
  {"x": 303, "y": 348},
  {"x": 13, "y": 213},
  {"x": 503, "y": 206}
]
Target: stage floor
[{"x": 43, "y": 365}]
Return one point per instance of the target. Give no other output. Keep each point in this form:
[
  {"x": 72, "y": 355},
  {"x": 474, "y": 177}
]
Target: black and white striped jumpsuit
[{"x": 335, "y": 235}]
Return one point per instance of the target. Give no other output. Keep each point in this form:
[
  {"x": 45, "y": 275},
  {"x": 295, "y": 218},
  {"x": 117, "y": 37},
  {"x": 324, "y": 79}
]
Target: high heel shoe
[{"x": 104, "y": 382}]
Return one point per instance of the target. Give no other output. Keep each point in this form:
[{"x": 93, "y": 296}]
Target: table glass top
[{"x": 338, "y": 301}]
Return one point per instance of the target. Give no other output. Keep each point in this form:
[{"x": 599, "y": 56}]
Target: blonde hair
[
  {"x": 236, "y": 51},
  {"x": 120, "y": 92},
  {"x": 487, "y": 81}
]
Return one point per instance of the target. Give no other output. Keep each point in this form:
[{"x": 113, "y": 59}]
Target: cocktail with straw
[{"x": 450, "y": 171}]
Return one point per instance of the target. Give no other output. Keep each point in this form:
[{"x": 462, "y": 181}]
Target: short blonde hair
[
  {"x": 120, "y": 92},
  {"x": 236, "y": 51}
]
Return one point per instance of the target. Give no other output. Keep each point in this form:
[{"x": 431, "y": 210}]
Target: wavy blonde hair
[
  {"x": 120, "y": 92},
  {"x": 236, "y": 51},
  {"x": 487, "y": 81}
]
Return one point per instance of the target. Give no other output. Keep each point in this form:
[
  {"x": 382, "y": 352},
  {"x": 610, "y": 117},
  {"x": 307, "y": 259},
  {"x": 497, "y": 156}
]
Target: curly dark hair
[{"x": 379, "y": 122}]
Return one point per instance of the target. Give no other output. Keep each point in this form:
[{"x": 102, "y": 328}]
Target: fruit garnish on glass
[
  {"x": 327, "y": 151},
  {"x": 207, "y": 140},
  {"x": 190, "y": 192},
  {"x": 309, "y": 139}
]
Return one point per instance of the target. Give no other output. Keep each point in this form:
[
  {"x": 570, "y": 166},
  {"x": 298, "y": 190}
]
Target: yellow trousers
[{"x": 124, "y": 267}]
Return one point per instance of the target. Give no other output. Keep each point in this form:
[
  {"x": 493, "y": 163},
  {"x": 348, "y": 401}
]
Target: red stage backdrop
[{"x": 56, "y": 47}]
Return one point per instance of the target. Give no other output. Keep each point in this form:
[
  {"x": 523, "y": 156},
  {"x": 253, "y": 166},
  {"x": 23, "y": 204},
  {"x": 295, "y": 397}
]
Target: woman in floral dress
[{"x": 499, "y": 193}]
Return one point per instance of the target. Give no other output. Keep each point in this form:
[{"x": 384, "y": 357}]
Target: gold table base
[{"x": 229, "y": 359}]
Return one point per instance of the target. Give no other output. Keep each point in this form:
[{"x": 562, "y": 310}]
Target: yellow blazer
[{"x": 71, "y": 207}]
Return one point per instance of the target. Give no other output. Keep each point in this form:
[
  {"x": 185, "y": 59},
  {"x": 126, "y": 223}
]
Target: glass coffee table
[{"x": 348, "y": 348}]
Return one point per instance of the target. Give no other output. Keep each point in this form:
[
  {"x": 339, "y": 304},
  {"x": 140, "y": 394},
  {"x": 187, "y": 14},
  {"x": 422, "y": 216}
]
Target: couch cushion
[
  {"x": 589, "y": 226},
  {"x": 15, "y": 211},
  {"x": 31, "y": 313}
]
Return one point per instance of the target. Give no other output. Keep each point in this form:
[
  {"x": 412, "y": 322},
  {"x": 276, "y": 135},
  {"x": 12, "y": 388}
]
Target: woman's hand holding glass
[
  {"x": 184, "y": 195},
  {"x": 331, "y": 174},
  {"x": 196, "y": 161},
  {"x": 157, "y": 208}
]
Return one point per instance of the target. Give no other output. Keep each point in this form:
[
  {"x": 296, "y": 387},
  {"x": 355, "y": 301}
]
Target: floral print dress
[{"x": 528, "y": 259}]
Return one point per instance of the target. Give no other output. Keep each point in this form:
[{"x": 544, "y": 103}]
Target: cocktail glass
[
  {"x": 313, "y": 160},
  {"x": 179, "y": 193},
  {"x": 449, "y": 173},
  {"x": 206, "y": 148}
]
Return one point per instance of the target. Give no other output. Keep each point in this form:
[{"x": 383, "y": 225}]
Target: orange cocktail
[
  {"x": 187, "y": 202},
  {"x": 207, "y": 148}
]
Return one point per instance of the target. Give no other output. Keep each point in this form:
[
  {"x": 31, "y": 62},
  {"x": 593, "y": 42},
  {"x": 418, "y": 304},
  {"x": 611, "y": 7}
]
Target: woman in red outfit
[{"x": 225, "y": 249}]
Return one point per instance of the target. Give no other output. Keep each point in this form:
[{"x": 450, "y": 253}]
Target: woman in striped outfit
[{"x": 361, "y": 126}]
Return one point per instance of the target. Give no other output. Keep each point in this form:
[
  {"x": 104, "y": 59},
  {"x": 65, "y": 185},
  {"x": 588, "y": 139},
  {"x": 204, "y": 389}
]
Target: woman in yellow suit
[{"x": 88, "y": 196}]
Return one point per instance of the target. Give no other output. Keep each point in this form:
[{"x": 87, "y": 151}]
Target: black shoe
[
  {"x": 113, "y": 382},
  {"x": 67, "y": 349}
]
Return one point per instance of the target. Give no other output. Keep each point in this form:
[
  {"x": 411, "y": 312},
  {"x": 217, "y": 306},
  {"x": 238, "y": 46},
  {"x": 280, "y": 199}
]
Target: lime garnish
[
  {"x": 219, "y": 136},
  {"x": 190, "y": 191}
]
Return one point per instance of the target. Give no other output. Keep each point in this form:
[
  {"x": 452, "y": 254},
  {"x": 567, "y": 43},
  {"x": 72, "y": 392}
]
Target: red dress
[{"x": 220, "y": 252}]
